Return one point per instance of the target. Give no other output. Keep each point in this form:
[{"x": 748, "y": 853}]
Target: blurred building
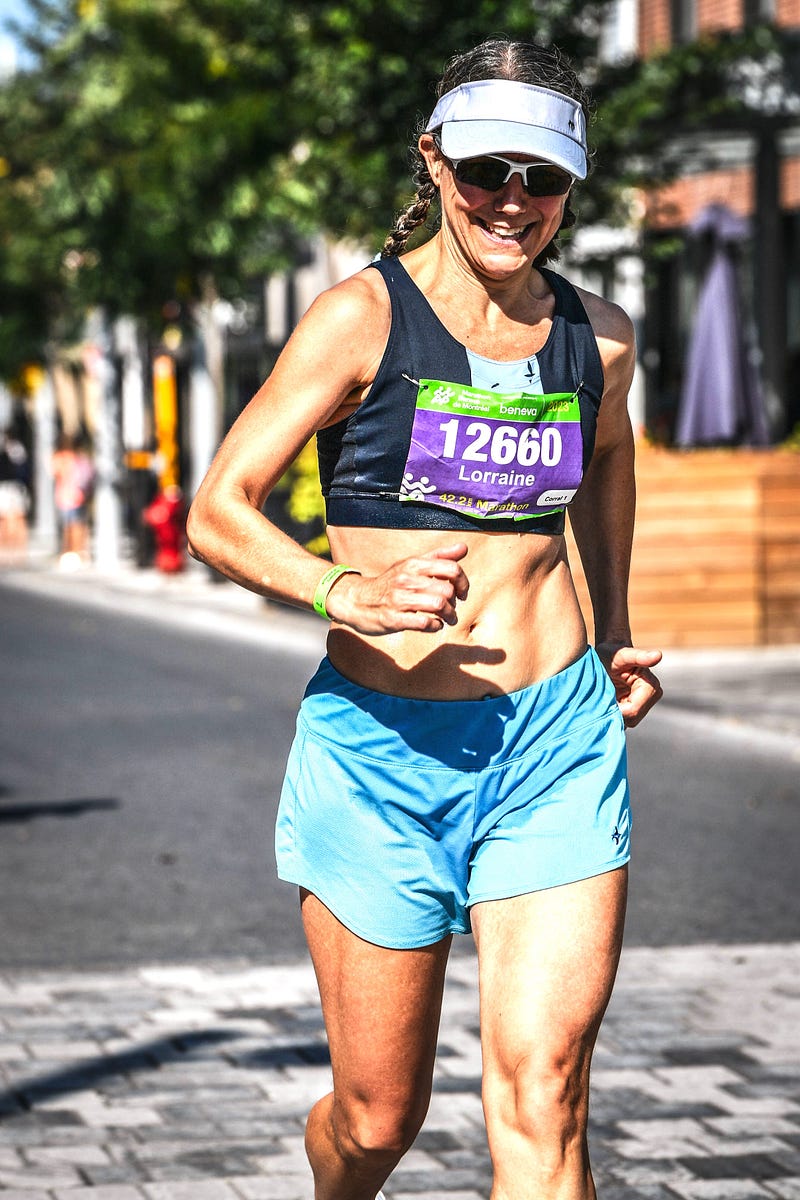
[
  {"x": 752, "y": 168},
  {"x": 716, "y": 556}
]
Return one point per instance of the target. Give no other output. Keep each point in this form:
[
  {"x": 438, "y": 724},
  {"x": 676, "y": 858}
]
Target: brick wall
[
  {"x": 790, "y": 184},
  {"x": 712, "y": 16},
  {"x": 715, "y": 15},
  {"x": 654, "y": 26},
  {"x": 674, "y": 205},
  {"x": 787, "y": 13}
]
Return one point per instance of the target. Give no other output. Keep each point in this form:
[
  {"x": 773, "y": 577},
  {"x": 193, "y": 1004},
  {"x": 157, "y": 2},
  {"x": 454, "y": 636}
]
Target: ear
[{"x": 433, "y": 159}]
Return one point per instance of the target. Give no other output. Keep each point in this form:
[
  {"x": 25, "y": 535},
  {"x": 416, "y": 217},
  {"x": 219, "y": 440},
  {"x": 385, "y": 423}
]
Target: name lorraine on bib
[{"x": 493, "y": 454}]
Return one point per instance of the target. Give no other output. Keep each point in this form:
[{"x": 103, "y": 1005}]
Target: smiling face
[{"x": 496, "y": 232}]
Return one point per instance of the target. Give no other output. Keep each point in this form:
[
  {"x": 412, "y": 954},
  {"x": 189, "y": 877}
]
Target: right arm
[{"x": 325, "y": 370}]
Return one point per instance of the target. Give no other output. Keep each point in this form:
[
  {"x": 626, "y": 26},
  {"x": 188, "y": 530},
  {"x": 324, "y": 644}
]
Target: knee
[
  {"x": 544, "y": 1102},
  {"x": 376, "y": 1132}
]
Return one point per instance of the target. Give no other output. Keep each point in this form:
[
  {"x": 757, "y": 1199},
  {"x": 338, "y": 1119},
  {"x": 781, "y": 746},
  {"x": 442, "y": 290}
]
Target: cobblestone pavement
[{"x": 192, "y": 1083}]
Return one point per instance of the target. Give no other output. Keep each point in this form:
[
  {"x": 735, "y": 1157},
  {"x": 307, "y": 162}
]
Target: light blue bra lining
[{"x": 523, "y": 375}]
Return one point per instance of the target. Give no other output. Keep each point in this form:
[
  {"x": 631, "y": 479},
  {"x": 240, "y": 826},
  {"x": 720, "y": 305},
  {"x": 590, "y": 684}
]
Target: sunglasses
[{"x": 491, "y": 171}]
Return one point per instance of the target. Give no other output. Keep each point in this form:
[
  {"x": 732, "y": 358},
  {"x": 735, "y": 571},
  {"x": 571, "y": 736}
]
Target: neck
[{"x": 440, "y": 268}]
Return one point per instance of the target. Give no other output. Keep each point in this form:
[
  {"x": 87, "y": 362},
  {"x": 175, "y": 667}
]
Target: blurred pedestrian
[
  {"x": 460, "y": 755},
  {"x": 73, "y": 480},
  {"x": 14, "y": 497}
]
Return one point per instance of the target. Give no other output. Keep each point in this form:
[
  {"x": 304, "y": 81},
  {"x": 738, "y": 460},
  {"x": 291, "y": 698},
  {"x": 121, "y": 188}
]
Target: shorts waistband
[{"x": 461, "y": 734}]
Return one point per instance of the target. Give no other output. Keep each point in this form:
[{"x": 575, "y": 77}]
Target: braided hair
[{"x": 496, "y": 58}]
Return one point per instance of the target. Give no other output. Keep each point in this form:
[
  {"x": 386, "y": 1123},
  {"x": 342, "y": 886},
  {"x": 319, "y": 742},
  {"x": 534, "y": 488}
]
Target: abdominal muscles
[{"x": 520, "y": 623}]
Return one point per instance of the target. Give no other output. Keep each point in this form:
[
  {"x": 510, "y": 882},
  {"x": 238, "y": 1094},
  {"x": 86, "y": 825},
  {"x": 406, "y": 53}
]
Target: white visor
[{"x": 501, "y": 116}]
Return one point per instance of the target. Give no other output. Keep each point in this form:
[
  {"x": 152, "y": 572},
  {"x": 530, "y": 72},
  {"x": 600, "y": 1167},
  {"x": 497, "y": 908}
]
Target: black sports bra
[{"x": 366, "y": 460}]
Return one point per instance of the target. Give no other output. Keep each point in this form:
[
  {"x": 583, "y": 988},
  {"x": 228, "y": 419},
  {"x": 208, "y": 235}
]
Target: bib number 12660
[{"x": 503, "y": 444}]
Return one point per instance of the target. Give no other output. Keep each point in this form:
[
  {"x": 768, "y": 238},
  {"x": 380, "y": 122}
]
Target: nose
[{"x": 512, "y": 194}]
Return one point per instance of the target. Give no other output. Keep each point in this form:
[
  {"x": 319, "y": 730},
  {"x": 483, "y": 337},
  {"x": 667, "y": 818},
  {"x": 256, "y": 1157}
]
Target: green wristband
[{"x": 326, "y": 583}]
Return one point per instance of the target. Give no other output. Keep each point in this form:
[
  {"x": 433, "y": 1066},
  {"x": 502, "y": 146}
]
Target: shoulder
[
  {"x": 334, "y": 351},
  {"x": 359, "y": 299},
  {"x": 609, "y": 321},
  {"x": 341, "y": 337},
  {"x": 614, "y": 332}
]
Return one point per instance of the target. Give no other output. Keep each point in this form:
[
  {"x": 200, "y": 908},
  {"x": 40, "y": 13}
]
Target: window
[
  {"x": 756, "y": 11},
  {"x": 683, "y": 21},
  {"x": 792, "y": 226}
]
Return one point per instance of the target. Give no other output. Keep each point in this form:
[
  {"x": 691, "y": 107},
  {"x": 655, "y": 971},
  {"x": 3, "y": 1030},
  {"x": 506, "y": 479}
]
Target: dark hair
[{"x": 496, "y": 58}]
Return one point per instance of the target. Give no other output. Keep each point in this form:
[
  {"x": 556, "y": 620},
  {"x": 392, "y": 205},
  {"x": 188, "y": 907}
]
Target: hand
[
  {"x": 636, "y": 686},
  {"x": 416, "y": 593}
]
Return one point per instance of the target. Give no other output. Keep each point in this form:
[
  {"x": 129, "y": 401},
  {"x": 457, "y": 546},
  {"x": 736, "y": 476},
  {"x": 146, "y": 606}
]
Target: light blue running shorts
[{"x": 399, "y": 814}]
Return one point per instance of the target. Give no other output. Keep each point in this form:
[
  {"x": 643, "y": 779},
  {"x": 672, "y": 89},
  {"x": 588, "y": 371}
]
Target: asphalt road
[
  {"x": 139, "y": 777},
  {"x": 140, "y": 767}
]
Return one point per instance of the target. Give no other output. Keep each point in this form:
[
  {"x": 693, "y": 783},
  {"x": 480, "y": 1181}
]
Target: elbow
[{"x": 198, "y": 532}]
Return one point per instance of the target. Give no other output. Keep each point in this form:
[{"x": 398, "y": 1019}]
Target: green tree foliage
[
  {"x": 140, "y": 151},
  {"x": 154, "y": 150},
  {"x": 375, "y": 66}
]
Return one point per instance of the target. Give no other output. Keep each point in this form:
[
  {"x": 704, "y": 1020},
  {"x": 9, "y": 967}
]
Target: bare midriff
[{"x": 519, "y": 624}]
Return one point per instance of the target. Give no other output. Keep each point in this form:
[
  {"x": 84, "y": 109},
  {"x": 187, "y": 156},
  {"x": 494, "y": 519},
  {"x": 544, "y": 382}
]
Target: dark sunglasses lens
[
  {"x": 547, "y": 181},
  {"x": 486, "y": 173}
]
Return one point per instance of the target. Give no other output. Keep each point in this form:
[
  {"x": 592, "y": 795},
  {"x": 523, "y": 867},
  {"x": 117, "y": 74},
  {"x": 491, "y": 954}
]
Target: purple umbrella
[{"x": 721, "y": 400}]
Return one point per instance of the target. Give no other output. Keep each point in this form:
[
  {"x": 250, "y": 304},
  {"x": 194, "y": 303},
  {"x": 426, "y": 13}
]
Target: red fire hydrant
[{"x": 167, "y": 518}]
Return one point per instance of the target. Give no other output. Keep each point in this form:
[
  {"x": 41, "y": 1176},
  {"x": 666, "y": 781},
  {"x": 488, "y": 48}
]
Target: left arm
[{"x": 602, "y": 519}]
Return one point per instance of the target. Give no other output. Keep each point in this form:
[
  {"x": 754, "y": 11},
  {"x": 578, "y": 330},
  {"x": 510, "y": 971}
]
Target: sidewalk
[
  {"x": 194, "y": 600},
  {"x": 192, "y": 1083}
]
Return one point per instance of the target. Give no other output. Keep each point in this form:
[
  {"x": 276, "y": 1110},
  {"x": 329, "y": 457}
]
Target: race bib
[{"x": 493, "y": 454}]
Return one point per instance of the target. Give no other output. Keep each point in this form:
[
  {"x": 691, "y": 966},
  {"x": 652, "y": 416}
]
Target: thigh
[
  {"x": 381, "y": 1010},
  {"x": 548, "y": 961}
]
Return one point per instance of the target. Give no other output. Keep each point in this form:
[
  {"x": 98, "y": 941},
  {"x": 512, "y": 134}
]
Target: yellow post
[{"x": 165, "y": 405}]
